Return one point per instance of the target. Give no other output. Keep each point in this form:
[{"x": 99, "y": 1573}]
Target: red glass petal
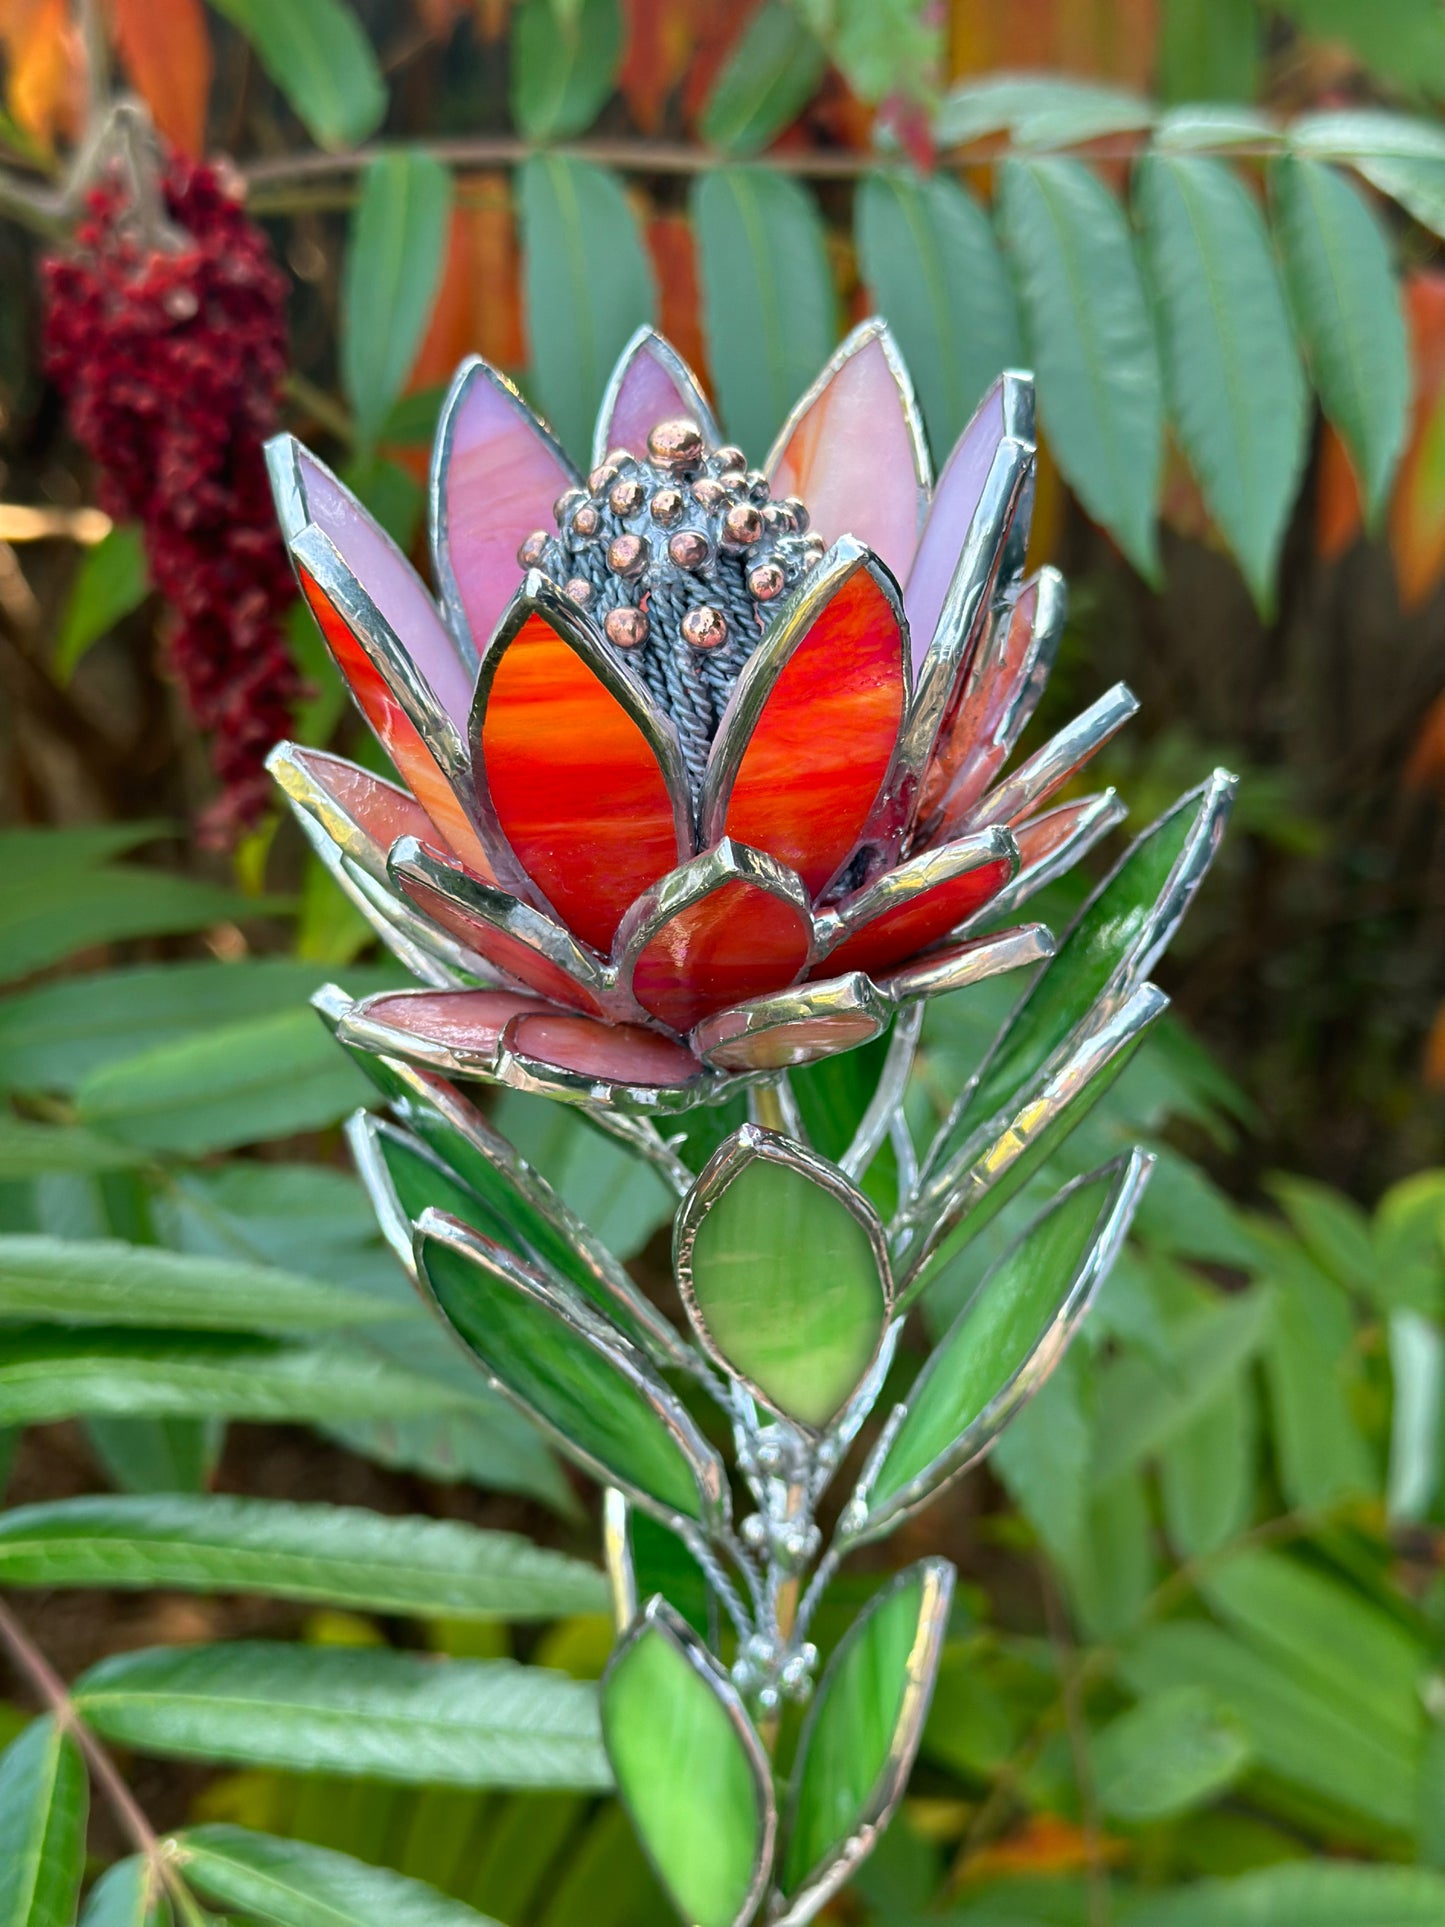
[
  {"x": 828, "y": 687},
  {"x": 611, "y": 1053},
  {"x": 457, "y": 1030},
  {"x": 920, "y": 902},
  {"x": 736, "y": 941},
  {"x": 380, "y": 812},
  {"x": 789, "y": 1042},
  {"x": 573, "y": 781}
]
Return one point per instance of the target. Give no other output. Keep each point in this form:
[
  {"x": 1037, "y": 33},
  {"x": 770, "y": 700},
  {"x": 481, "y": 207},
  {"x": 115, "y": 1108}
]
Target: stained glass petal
[
  {"x": 650, "y": 384},
  {"x": 920, "y": 902},
  {"x": 794, "y": 1026},
  {"x": 455, "y": 1031}
]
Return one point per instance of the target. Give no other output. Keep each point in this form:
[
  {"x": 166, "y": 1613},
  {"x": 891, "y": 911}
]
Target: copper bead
[
  {"x": 580, "y": 591},
  {"x": 626, "y": 627},
  {"x": 729, "y": 457},
  {"x": 533, "y": 549},
  {"x": 602, "y": 477},
  {"x": 766, "y": 581},
  {"x": 742, "y": 526},
  {"x": 798, "y": 509},
  {"x": 625, "y": 497},
  {"x": 676, "y": 445},
  {"x": 627, "y": 555},
  {"x": 704, "y": 628},
  {"x": 667, "y": 506},
  {"x": 756, "y": 484},
  {"x": 688, "y": 549},
  {"x": 707, "y": 494},
  {"x": 569, "y": 500},
  {"x": 586, "y": 521}
]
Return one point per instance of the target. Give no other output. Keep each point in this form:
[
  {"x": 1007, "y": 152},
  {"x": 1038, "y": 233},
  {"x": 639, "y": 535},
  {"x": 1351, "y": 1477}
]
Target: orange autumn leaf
[
  {"x": 1435, "y": 1053},
  {"x": 166, "y": 53},
  {"x": 1044, "y": 1844},
  {"x": 674, "y": 263},
  {"x": 716, "y": 30},
  {"x": 1096, "y": 39},
  {"x": 1425, "y": 765},
  {"x": 45, "y": 68},
  {"x": 660, "y": 38}
]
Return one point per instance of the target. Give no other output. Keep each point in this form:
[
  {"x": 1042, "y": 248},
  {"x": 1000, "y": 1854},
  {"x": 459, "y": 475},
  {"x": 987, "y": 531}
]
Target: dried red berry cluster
[{"x": 170, "y": 349}]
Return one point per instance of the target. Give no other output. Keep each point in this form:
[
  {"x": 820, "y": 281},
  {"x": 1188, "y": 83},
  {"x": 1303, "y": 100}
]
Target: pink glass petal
[
  {"x": 507, "y": 948},
  {"x": 464, "y": 1026},
  {"x": 824, "y": 738},
  {"x": 919, "y": 903},
  {"x": 800, "y": 1040},
  {"x": 498, "y": 474},
  {"x": 955, "y": 498},
  {"x": 852, "y": 452},
  {"x": 394, "y": 729},
  {"x": 1043, "y": 774},
  {"x": 391, "y": 582},
  {"x": 1045, "y": 837},
  {"x": 611, "y": 1053},
  {"x": 651, "y": 384},
  {"x": 380, "y": 811},
  {"x": 737, "y": 942}
]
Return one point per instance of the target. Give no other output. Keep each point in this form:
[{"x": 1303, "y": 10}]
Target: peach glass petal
[
  {"x": 576, "y": 788},
  {"x": 736, "y": 942},
  {"x": 392, "y": 583},
  {"x": 918, "y": 920},
  {"x": 612, "y": 1053},
  {"x": 394, "y": 729},
  {"x": 499, "y": 473},
  {"x": 801, "y": 1040},
  {"x": 852, "y": 455},
  {"x": 653, "y": 384},
  {"x": 382, "y": 812},
  {"x": 824, "y": 739},
  {"x": 468, "y": 1023},
  {"x": 997, "y": 701},
  {"x": 507, "y": 949},
  {"x": 956, "y": 497},
  {"x": 1042, "y": 837}
]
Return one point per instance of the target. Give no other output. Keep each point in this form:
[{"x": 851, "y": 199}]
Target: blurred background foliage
[{"x": 1196, "y": 1670}]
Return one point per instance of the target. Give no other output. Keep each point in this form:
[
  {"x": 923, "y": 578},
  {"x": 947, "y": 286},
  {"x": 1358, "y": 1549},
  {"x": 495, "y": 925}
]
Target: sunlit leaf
[
  {"x": 112, "y": 580},
  {"x": 43, "y": 1801},
  {"x": 1171, "y": 1752},
  {"x": 297, "y": 1885}
]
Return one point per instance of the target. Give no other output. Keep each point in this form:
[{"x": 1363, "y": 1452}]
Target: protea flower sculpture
[{"x": 706, "y": 773}]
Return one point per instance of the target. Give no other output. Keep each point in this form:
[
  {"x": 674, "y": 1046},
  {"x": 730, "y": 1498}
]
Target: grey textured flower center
[{"x": 678, "y": 555}]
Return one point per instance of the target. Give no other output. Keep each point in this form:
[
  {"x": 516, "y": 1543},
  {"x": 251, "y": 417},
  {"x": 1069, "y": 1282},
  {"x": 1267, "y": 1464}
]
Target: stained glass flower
[{"x": 705, "y": 764}]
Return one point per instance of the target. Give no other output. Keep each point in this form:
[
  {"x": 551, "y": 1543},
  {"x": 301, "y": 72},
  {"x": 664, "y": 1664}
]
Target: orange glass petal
[
  {"x": 577, "y": 790},
  {"x": 921, "y": 920},
  {"x": 736, "y": 942},
  {"x": 382, "y": 812},
  {"x": 612, "y": 1053},
  {"x": 824, "y": 741},
  {"x": 398, "y": 736}
]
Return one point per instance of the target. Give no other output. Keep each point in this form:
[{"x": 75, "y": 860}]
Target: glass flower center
[{"x": 677, "y": 555}]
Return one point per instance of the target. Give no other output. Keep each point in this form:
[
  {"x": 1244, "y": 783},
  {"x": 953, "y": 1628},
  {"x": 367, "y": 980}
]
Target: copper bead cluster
[{"x": 673, "y": 522}]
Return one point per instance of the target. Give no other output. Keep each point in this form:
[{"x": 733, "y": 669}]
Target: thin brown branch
[{"x": 1071, "y": 1700}]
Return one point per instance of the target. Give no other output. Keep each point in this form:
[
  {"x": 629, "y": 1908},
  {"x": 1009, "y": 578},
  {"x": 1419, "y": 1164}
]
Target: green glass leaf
[
  {"x": 782, "y": 1265},
  {"x": 320, "y": 58},
  {"x": 366, "y": 1712},
  {"x": 340, "y": 1555},
  {"x": 767, "y": 80},
  {"x": 579, "y": 1377},
  {"x": 564, "y": 65},
  {"x": 1091, "y": 342},
  {"x": 769, "y": 308},
  {"x": 1171, "y": 1752},
  {"x": 588, "y": 282},
  {"x": 968, "y": 1192},
  {"x": 85, "y": 1281},
  {"x": 608, "y": 1194},
  {"x": 294, "y": 1884},
  {"x": 1346, "y": 306},
  {"x": 1004, "y": 1343},
  {"x": 1112, "y": 944},
  {"x": 928, "y": 255},
  {"x": 690, "y": 1768},
  {"x": 862, "y": 1733},
  {"x": 111, "y": 581},
  {"x": 1236, "y": 391},
  {"x": 393, "y": 267},
  {"x": 43, "y": 1802},
  {"x": 129, "y": 1894}
]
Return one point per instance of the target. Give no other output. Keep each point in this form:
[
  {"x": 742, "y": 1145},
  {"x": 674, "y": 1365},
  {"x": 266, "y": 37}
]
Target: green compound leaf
[
  {"x": 577, "y": 1376},
  {"x": 1171, "y": 1752},
  {"x": 1091, "y": 342},
  {"x": 393, "y": 269},
  {"x": 589, "y": 286},
  {"x": 341, "y": 1555},
  {"x": 929, "y": 256},
  {"x": 371, "y": 1713},
  {"x": 861, "y": 1736},
  {"x": 129, "y": 1894},
  {"x": 1346, "y": 306},
  {"x": 318, "y": 55},
  {"x": 293, "y": 1884},
  {"x": 1111, "y": 946},
  {"x": 769, "y": 308},
  {"x": 767, "y": 80},
  {"x": 783, "y": 1268},
  {"x": 564, "y": 65},
  {"x": 100, "y": 1281},
  {"x": 691, "y": 1770},
  {"x": 1236, "y": 391},
  {"x": 43, "y": 1803},
  {"x": 1003, "y": 1345}
]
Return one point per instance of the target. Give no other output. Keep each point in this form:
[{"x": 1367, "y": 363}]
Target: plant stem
[{"x": 767, "y": 1106}]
